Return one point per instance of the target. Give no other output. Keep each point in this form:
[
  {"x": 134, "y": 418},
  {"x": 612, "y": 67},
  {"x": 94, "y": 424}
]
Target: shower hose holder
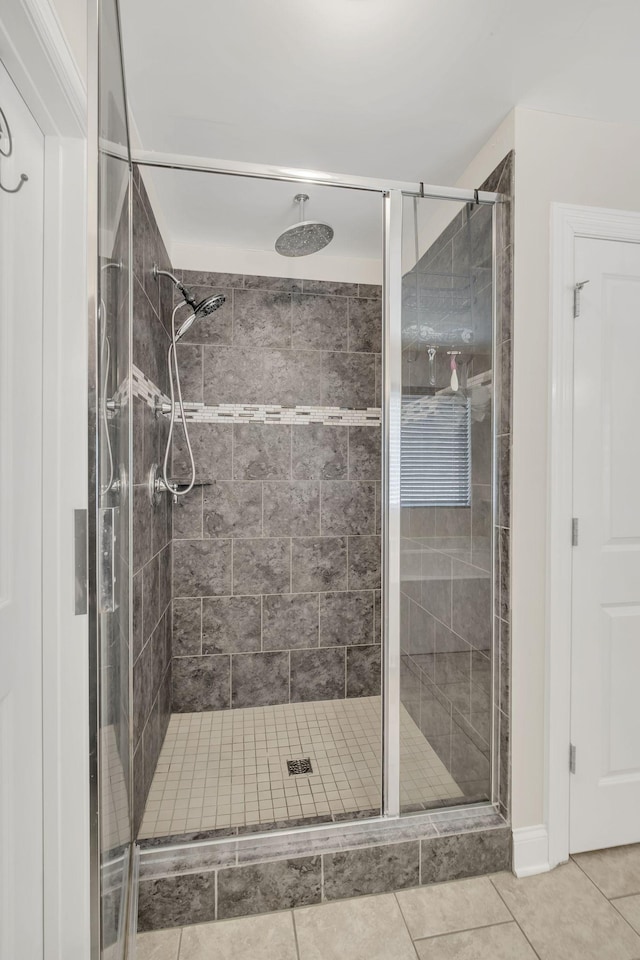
[{"x": 157, "y": 486}]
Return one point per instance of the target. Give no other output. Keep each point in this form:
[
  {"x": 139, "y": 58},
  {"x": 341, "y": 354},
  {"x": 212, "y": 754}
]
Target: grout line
[
  {"x": 453, "y": 933},
  {"x": 262, "y": 622},
  {"x": 345, "y": 671},
  {"x": 233, "y": 438},
  {"x": 231, "y": 590},
  {"x": 291, "y": 454},
  {"x": 491, "y": 881},
  {"x": 233, "y": 314},
  {"x": 613, "y": 904},
  {"x": 406, "y": 925},
  {"x": 602, "y": 894},
  {"x": 295, "y": 933},
  {"x": 348, "y": 576},
  {"x": 291, "y": 296},
  {"x": 290, "y": 566}
]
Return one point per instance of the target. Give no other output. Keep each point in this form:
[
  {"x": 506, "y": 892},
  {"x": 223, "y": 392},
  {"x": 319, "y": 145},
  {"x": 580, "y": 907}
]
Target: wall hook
[{"x": 6, "y": 151}]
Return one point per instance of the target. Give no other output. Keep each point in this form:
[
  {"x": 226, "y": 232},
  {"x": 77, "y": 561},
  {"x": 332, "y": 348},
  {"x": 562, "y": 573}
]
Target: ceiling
[
  {"x": 399, "y": 89},
  {"x": 240, "y": 212}
]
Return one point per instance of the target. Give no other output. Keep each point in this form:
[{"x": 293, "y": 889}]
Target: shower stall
[{"x": 301, "y": 528}]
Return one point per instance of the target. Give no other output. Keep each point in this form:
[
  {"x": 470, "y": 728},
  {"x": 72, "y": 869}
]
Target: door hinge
[
  {"x": 574, "y": 532},
  {"x": 572, "y": 758},
  {"x": 576, "y": 298}
]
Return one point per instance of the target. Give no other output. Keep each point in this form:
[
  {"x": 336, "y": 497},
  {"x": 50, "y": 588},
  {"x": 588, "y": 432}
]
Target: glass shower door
[
  {"x": 444, "y": 457},
  {"x": 113, "y": 470}
]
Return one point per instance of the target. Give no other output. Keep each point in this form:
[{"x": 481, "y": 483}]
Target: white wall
[
  {"x": 570, "y": 160},
  {"x": 495, "y": 149}
]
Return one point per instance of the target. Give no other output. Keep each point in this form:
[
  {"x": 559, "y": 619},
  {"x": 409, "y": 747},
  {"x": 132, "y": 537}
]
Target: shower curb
[{"x": 197, "y": 882}]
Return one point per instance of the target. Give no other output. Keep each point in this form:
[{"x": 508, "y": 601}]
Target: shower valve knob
[
  {"x": 161, "y": 408},
  {"x": 157, "y": 486}
]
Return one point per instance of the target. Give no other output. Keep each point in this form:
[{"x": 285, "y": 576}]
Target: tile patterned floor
[
  {"x": 228, "y": 768},
  {"x": 562, "y": 915}
]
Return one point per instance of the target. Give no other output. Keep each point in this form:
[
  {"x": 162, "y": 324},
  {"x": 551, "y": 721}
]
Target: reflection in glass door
[{"x": 445, "y": 497}]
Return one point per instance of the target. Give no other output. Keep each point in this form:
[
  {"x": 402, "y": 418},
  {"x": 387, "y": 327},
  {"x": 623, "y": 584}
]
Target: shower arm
[{"x": 188, "y": 297}]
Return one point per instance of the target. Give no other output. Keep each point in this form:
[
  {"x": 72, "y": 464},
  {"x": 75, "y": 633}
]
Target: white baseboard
[{"x": 530, "y": 851}]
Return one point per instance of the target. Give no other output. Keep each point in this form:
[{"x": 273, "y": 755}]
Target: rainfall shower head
[
  {"x": 203, "y": 309},
  {"x": 305, "y": 237}
]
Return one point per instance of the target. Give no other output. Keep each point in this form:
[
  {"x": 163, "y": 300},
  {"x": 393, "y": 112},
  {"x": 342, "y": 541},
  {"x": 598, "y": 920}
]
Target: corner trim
[
  {"x": 54, "y": 43},
  {"x": 530, "y": 851},
  {"x": 37, "y": 55}
]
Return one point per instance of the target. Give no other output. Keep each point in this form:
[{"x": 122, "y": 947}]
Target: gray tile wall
[
  {"x": 276, "y": 562},
  {"x": 151, "y": 586},
  {"x": 447, "y": 666}
]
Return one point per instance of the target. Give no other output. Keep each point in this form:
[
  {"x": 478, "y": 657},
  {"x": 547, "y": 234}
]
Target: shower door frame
[
  {"x": 392, "y": 193},
  {"x": 391, "y": 500}
]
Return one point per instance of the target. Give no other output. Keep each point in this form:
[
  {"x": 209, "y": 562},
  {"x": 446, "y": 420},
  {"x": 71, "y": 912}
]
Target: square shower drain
[{"x": 299, "y": 766}]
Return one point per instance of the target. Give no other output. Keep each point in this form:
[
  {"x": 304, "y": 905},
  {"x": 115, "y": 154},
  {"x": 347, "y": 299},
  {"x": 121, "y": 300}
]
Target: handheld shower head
[
  {"x": 203, "y": 309},
  {"x": 200, "y": 309},
  {"x": 209, "y": 305}
]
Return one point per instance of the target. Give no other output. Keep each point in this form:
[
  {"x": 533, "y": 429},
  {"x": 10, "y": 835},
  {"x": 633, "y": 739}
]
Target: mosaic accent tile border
[
  {"x": 121, "y": 395},
  {"x": 145, "y": 389},
  {"x": 274, "y": 413},
  {"x": 258, "y": 413}
]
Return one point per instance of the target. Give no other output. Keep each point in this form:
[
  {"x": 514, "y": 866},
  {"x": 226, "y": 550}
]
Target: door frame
[
  {"x": 568, "y": 223},
  {"x": 37, "y": 55}
]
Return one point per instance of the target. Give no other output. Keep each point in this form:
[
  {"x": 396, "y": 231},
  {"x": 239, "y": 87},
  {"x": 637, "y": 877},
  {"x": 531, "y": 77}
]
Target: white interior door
[
  {"x": 605, "y": 697},
  {"x": 21, "y": 264}
]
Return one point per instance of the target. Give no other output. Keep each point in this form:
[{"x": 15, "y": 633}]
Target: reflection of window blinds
[{"x": 436, "y": 452}]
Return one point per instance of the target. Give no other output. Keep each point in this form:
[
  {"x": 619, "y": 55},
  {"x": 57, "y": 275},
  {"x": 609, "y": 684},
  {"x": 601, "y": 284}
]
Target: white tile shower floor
[{"x": 228, "y": 768}]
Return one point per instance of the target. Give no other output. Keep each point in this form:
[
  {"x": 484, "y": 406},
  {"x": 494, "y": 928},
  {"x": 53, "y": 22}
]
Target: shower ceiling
[
  {"x": 404, "y": 89},
  {"x": 217, "y": 211}
]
